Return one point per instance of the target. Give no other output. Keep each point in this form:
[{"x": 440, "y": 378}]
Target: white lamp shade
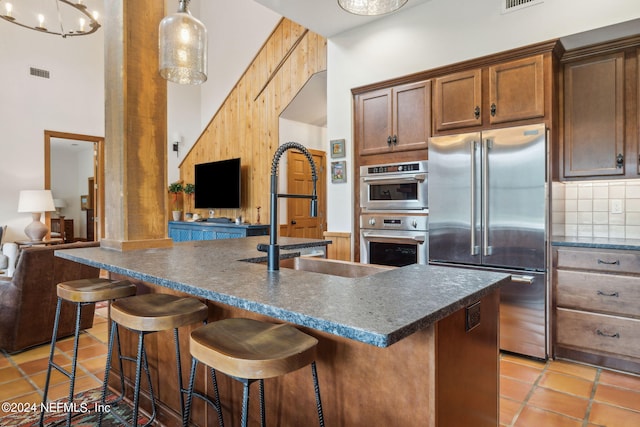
[
  {"x": 36, "y": 201},
  {"x": 59, "y": 203},
  {"x": 183, "y": 47},
  {"x": 371, "y": 7}
]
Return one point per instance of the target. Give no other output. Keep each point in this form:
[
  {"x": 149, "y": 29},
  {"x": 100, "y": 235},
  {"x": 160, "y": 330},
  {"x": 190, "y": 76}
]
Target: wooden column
[{"x": 135, "y": 128}]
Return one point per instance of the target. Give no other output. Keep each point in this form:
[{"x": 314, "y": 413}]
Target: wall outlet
[{"x": 616, "y": 206}]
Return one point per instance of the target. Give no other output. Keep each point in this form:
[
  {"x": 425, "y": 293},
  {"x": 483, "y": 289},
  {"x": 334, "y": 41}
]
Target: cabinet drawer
[
  {"x": 608, "y": 293},
  {"x": 600, "y": 260},
  {"x": 598, "y": 332}
]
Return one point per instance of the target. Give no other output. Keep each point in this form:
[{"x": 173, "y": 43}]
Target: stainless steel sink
[{"x": 332, "y": 267}]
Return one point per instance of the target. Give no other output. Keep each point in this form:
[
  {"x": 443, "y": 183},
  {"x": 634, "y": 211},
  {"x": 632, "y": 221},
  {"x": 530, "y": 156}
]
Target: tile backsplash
[{"x": 596, "y": 209}]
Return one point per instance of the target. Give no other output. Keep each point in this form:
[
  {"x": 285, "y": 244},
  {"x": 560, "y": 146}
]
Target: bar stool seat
[
  {"x": 247, "y": 348},
  {"x": 250, "y": 350},
  {"x": 158, "y": 312},
  {"x": 95, "y": 290},
  {"x": 80, "y": 292},
  {"x": 146, "y": 314}
]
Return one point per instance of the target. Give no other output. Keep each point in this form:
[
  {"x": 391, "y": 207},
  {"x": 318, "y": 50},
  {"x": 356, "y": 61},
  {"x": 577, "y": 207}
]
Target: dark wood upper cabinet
[
  {"x": 516, "y": 90},
  {"x": 394, "y": 119},
  {"x": 594, "y": 116},
  {"x": 457, "y": 100}
]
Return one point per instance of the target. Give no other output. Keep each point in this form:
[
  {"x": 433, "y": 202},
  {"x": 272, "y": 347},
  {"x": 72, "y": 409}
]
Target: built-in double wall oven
[{"x": 394, "y": 225}]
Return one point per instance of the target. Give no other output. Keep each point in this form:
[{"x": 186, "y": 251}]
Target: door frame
[{"x": 98, "y": 168}]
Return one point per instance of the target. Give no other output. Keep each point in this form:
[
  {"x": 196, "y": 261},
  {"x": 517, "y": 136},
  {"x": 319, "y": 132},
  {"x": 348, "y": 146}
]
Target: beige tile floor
[{"x": 532, "y": 393}]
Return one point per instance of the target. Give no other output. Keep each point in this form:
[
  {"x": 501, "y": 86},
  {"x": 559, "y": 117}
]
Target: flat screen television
[{"x": 218, "y": 185}]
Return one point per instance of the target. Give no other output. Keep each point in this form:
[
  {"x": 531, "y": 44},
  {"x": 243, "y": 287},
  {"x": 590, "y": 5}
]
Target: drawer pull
[
  {"x": 602, "y": 334},
  {"x": 525, "y": 278},
  {"x": 616, "y": 262},
  {"x": 612, "y": 294}
]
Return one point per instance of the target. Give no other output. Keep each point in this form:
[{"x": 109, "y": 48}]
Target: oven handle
[
  {"x": 389, "y": 238},
  {"x": 417, "y": 177}
]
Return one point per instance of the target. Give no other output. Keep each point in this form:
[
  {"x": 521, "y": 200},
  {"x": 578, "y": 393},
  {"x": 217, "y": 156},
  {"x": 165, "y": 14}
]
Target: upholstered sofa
[{"x": 28, "y": 299}]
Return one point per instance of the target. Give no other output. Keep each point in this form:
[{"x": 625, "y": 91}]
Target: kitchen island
[{"x": 416, "y": 345}]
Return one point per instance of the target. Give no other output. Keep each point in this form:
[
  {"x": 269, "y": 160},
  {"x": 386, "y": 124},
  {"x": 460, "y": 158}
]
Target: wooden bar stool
[
  {"x": 250, "y": 350},
  {"x": 146, "y": 314},
  {"x": 80, "y": 292}
]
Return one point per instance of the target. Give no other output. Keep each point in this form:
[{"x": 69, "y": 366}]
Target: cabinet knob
[
  {"x": 476, "y": 112},
  {"x": 395, "y": 140},
  {"x": 493, "y": 110},
  {"x": 619, "y": 161},
  {"x": 389, "y": 140}
]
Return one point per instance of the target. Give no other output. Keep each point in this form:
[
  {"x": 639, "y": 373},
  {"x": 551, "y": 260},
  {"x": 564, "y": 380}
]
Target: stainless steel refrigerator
[{"x": 487, "y": 209}]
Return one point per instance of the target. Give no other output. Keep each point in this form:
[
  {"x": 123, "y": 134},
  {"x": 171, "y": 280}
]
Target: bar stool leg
[
  {"x": 245, "y": 402},
  {"x": 114, "y": 332},
  {"x": 316, "y": 389},
  {"x": 74, "y": 361},
  {"x": 181, "y": 390},
  {"x": 136, "y": 391},
  {"x": 51, "y": 353},
  {"x": 262, "y": 411},
  {"x": 141, "y": 363},
  {"x": 192, "y": 379},
  {"x": 107, "y": 369},
  {"x": 218, "y": 406}
]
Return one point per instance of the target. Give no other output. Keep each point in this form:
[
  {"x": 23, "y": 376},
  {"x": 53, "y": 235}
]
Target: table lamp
[
  {"x": 36, "y": 202},
  {"x": 59, "y": 204}
]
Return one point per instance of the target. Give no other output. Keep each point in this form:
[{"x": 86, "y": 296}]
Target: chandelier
[
  {"x": 371, "y": 7},
  {"x": 64, "y": 18}
]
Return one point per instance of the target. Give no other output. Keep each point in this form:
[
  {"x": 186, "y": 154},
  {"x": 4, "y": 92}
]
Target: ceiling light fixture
[
  {"x": 60, "y": 17},
  {"x": 371, "y": 7},
  {"x": 183, "y": 47}
]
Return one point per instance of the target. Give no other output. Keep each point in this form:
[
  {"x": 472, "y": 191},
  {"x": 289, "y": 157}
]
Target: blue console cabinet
[{"x": 181, "y": 231}]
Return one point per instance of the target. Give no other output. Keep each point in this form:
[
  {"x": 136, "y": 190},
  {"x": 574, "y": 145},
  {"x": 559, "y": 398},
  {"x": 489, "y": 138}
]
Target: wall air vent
[
  {"x": 39, "y": 72},
  {"x": 513, "y": 5}
]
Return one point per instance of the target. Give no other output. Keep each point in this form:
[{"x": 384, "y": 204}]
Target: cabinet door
[
  {"x": 457, "y": 100},
  {"x": 373, "y": 115},
  {"x": 516, "y": 90},
  {"x": 411, "y": 116},
  {"x": 594, "y": 117}
]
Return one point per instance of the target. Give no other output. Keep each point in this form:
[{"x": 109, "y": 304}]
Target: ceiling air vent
[
  {"x": 38, "y": 72},
  {"x": 513, "y": 5}
]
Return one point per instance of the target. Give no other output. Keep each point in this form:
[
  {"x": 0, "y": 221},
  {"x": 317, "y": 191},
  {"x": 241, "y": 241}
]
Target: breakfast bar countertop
[{"x": 380, "y": 309}]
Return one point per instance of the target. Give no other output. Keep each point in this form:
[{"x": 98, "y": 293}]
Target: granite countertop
[
  {"x": 597, "y": 242},
  {"x": 379, "y": 309}
]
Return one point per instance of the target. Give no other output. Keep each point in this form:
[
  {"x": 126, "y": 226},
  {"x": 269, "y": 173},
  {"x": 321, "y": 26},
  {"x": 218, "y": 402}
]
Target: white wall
[
  {"x": 72, "y": 100},
  {"x": 435, "y": 34}
]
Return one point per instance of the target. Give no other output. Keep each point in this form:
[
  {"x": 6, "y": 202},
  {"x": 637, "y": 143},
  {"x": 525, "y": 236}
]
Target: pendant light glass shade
[
  {"x": 183, "y": 47},
  {"x": 371, "y": 7}
]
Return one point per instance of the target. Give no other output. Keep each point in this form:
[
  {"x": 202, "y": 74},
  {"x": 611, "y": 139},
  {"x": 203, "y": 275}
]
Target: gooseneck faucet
[{"x": 273, "y": 250}]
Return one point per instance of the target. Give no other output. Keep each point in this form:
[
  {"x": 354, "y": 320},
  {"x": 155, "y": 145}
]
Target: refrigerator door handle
[
  {"x": 474, "y": 247},
  {"x": 486, "y": 249}
]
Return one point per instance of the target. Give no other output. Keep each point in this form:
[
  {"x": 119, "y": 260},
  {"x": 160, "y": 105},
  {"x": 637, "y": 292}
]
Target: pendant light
[
  {"x": 183, "y": 47},
  {"x": 371, "y": 7}
]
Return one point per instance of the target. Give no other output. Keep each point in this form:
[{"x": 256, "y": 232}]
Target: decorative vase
[{"x": 177, "y": 215}]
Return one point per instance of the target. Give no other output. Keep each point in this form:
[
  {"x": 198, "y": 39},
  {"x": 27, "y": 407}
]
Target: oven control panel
[
  {"x": 394, "y": 168},
  {"x": 394, "y": 222}
]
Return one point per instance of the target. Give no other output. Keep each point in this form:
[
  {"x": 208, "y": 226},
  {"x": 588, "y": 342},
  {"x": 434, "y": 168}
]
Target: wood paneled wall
[{"x": 246, "y": 125}]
